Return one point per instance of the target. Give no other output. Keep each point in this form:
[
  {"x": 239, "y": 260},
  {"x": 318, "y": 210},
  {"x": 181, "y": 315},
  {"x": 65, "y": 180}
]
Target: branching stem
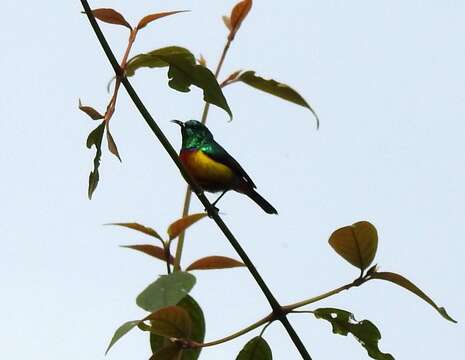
[
  {"x": 276, "y": 307},
  {"x": 268, "y": 319}
]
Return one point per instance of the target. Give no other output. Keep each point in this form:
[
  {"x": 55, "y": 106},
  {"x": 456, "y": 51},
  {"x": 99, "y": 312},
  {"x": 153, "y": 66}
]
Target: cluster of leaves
[
  {"x": 183, "y": 72},
  {"x": 175, "y": 320},
  {"x": 173, "y": 313},
  {"x": 357, "y": 244}
]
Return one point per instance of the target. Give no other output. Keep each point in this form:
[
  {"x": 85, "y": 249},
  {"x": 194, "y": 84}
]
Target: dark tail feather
[{"x": 265, "y": 205}]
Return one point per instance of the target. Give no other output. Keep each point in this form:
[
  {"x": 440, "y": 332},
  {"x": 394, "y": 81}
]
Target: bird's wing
[{"x": 217, "y": 153}]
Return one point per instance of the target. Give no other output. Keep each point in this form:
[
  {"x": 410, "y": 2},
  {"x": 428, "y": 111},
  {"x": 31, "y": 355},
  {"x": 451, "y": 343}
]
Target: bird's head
[{"x": 194, "y": 133}]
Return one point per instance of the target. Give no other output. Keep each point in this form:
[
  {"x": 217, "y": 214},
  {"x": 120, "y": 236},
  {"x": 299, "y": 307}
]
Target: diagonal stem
[{"x": 195, "y": 187}]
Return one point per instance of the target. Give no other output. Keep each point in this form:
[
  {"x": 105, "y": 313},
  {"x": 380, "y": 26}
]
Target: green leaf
[
  {"x": 356, "y": 243},
  {"x": 198, "y": 329},
  {"x": 276, "y": 88},
  {"x": 407, "y": 284},
  {"x": 121, "y": 331},
  {"x": 365, "y": 332},
  {"x": 170, "y": 352},
  {"x": 95, "y": 139},
  {"x": 255, "y": 349},
  {"x": 183, "y": 72},
  {"x": 152, "y": 59},
  {"x": 165, "y": 291},
  {"x": 171, "y": 321}
]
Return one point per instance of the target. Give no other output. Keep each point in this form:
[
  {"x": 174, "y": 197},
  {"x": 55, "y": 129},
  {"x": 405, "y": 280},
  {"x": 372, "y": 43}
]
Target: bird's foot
[{"x": 213, "y": 210}]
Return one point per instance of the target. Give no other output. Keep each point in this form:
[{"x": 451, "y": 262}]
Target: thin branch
[
  {"x": 288, "y": 309},
  {"x": 268, "y": 319},
  {"x": 355, "y": 283},
  {"x": 198, "y": 191}
]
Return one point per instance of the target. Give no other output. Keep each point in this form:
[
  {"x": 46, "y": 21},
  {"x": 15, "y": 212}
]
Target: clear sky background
[{"x": 388, "y": 81}]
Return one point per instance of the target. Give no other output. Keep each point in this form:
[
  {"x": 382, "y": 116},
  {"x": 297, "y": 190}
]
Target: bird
[{"x": 212, "y": 167}]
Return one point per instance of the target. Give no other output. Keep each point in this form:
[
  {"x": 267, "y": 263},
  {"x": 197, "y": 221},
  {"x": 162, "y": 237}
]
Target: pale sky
[{"x": 387, "y": 79}]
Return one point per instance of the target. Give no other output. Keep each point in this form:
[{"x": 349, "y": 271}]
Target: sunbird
[{"x": 212, "y": 167}]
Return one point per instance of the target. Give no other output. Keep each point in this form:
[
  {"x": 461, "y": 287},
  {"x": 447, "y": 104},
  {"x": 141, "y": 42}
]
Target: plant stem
[
  {"x": 196, "y": 188},
  {"x": 255, "y": 325},
  {"x": 316, "y": 298},
  {"x": 188, "y": 196},
  {"x": 357, "y": 282},
  {"x": 286, "y": 309},
  {"x": 112, "y": 104},
  {"x": 182, "y": 236}
]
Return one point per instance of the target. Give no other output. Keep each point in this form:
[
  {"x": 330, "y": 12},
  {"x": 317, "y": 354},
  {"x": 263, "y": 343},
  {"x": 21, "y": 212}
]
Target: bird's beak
[{"x": 180, "y": 123}]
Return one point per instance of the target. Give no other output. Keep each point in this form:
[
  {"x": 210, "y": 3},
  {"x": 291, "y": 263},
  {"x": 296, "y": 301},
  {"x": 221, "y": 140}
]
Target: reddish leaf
[
  {"x": 238, "y": 14},
  {"x": 138, "y": 227},
  {"x": 152, "y": 250},
  {"x": 94, "y": 114},
  {"x": 214, "y": 262},
  {"x": 182, "y": 224},
  {"x": 112, "y": 145},
  {"x": 152, "y": 17},
  {"x": 110, "y": 16},
  {"x": 171, "y": 321}
]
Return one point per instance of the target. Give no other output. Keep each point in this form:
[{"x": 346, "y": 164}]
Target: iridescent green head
[{"x": 194, "y": 134}]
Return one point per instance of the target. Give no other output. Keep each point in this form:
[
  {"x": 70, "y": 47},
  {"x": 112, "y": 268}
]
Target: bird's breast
[{"x": 210, "y": 174}]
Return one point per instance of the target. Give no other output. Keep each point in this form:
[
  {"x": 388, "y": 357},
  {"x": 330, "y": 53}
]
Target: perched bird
[{"x": 212, "y": 167}]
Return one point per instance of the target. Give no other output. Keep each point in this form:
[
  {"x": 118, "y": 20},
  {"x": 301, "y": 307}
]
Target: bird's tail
[{"x": 265, "y": 205}]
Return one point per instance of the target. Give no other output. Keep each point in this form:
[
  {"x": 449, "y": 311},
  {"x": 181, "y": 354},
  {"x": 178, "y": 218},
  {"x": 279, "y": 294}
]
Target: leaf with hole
[
  {"x": 256, "y": 349},
  {"x": 139, "y": 227},
  {"x": 356, "y": 243},
  {"x": 213, "y": 263},
  {"x": 171, "y": 321},
  {"x": 278, "y": 89},
  {"x": 152, "y": 17},
  {"x": 238, "y": 14},
  {"x": 197, "y": 334},
  {"x": 121, "y": 331},
  {"x": 93, "y": 114},
  {"x": 407, "y": 284},
  {"x": 165, "y": 291},
  {"x": 95, "y": 139},
  {"x": 367, "y": 334},
  {"x": 110, "y": 16},
  {"x": 152, "y": 250},
  {"x": 182, "y": 224}
]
